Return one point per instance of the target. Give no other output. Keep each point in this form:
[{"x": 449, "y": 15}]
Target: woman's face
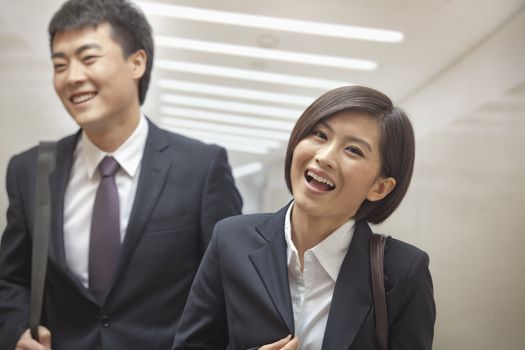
[{"x": 336, "y": 167}]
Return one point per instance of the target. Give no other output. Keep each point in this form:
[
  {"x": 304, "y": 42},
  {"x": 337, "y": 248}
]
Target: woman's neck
[{"x": 308, "y": 230}]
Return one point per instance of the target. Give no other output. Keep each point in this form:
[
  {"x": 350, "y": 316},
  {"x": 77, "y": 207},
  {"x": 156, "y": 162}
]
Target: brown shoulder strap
[{"x": 377, "y": 249}]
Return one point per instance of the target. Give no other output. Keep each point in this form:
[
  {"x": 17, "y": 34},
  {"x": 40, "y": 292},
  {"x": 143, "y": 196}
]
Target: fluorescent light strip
[
  {"x": 247, "y": 169},
  {"x": 250, "y": 75},
  {"x": 229, "y": 145},
  {"x": 212, "y": 135},
  {"x": 228, "y": 141},
  {"x": 222, "y": 105},
  {"x": 226, "y": 91},
  {"x": 227, "y": 129},
  {"x": 273, "y": 23},
  {"x": 268, "y": 54},
  {"x": 227, "y": 118}
]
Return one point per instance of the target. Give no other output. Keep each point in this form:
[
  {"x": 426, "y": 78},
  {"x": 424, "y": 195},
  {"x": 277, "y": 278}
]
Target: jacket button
[{"x": 105, "y": 321}]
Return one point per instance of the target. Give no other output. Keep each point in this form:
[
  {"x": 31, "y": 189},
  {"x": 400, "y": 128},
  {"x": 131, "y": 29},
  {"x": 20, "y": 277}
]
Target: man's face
[{"x": 96, "y": 84}]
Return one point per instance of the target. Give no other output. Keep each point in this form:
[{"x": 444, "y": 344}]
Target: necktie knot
[{"x": 108, "y": 166}]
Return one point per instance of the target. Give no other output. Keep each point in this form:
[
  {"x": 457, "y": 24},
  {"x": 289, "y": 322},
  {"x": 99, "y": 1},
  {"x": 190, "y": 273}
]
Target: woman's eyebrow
[{"x": 350, "y": 138}]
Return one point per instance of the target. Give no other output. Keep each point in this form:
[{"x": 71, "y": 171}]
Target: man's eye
[
  {"x": 59, "y": 67},
  {"x": 88, "y": 59}
]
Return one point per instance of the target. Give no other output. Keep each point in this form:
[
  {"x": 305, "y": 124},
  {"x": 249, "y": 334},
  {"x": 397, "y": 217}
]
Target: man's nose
[{"x": 75, "y": 73}]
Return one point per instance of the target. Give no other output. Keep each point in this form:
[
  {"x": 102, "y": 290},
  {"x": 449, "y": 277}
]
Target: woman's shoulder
[
  {"x": 402, "y": 257},
  {"x": 243, "y": 221},
  {"x": 241, "y": 227},
  {"x": 408, "y": 284},
  {"x": 241, "y": 234},
  {"x": 399, "y": 247}
]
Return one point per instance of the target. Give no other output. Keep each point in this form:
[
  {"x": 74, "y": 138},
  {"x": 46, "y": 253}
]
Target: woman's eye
[
  {"x": 320, "y": 134},
  {"x": 354, "y": 150}
]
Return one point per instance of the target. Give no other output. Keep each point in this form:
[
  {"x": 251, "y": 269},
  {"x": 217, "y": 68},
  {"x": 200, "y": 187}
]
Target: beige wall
[{"x": 465, "y": 208}]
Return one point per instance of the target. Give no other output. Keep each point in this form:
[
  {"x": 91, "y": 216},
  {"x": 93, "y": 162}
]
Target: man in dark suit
[{"x": 118, "y": 274}]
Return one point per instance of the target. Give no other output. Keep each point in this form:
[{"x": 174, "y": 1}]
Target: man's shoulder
[
  {"x": 179, "y": 140},
  {"x": 28, "y": 156}
]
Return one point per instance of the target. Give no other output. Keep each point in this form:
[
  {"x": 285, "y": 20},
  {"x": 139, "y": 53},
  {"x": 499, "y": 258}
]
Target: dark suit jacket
[
  {"x": 240, "y": 298},
  {"x": 184, "y": 188}
]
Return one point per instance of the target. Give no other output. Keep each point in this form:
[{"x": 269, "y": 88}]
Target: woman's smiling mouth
[{"x": 318, "y": 182}]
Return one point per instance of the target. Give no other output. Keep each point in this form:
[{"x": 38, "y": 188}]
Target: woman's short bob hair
[{"x": 396, "y": 144}]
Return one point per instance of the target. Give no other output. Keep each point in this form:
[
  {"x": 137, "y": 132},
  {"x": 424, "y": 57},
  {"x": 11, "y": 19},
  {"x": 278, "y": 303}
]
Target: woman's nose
[{"x": 326, "y": 156}]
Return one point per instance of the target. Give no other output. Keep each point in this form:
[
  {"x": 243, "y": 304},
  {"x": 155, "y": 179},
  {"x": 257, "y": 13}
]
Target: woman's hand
[{"x": 283, "y": 344}]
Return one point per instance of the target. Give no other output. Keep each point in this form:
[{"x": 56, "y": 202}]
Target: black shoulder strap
[
  {"x": 41, "y": 228},
  {"x": 377, "y": 249}
]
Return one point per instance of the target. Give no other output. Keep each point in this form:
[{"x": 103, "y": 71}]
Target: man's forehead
[{"x": 88, "y": 35}]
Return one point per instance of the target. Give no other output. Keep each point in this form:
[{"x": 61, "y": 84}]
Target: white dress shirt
[
  {"x": 311, "y": 290},
  {"x": 82, "y": 188}
]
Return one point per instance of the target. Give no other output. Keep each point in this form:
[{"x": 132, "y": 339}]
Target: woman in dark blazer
[{"x": 300, "y": 278}]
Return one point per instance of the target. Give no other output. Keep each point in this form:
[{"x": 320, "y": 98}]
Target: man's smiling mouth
[{"x": 83, "y": 97}]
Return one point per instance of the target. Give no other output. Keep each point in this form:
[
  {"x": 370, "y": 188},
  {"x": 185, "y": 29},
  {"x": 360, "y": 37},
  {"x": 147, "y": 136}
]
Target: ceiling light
[
  {"x": 227, "y": 129},
  {"x": 227, "y": 118},
  {"x": 274, "y": 23},
  {"x": 247, "y": 169},
  {"x": 261, "y": 53},
  {"x": 250, "y": 75},
  {"x": 274, "y": 112},
  {"x": 226, "y": 91}
]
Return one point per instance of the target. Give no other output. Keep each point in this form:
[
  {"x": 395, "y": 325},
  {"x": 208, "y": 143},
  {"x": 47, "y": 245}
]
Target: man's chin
[{"x": 86, "y": 122}]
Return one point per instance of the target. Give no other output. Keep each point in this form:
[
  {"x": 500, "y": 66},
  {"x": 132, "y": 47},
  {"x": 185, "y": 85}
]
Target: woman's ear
[
  {"x": 381, "y": 188},
  {"x": 138, "y": 61}
]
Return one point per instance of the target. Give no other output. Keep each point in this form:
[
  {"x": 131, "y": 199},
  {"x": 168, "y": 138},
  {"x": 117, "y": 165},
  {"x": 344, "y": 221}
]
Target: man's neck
[{"x": 109, "y": 137}]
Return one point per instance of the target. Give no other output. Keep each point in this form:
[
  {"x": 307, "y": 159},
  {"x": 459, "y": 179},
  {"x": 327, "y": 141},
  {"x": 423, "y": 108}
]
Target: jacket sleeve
[
  {"x": 413, "y": 327},
  {"x": 220, "y": 198},
  {"x": 15, "y": 265},
  {"x": 203, "y": 323}
]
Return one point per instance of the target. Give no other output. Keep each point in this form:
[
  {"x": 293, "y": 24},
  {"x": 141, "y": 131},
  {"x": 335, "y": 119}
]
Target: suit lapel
[
  {"x": 58, "y": 181},
  {"x": 271, "y": 265},
  {"x": 155, "y": 166},
  {"x": 352, "y": 298}
]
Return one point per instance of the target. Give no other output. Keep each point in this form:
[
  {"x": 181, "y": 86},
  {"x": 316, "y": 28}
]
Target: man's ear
[
  {"x": 381, "y": 188},
  {"x": 138, "y": 61}
]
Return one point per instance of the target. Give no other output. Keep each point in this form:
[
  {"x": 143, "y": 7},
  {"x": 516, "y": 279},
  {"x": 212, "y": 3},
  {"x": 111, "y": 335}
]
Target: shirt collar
[
  {"x": 288, "y": 233},
  {"x": 331, "y": 251},
  {"x": 128, "y": 155}
]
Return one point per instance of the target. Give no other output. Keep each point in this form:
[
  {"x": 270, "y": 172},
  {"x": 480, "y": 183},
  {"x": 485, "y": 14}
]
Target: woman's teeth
[{"x": 320, "y": 179}]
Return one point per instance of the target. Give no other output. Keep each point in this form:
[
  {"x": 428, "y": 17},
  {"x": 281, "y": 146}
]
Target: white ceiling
[{"x": 437, "y": 35}]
